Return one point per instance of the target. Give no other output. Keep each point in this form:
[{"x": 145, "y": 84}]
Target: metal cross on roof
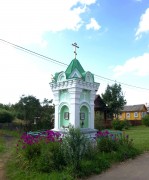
[{"x": 75, "y": 46}]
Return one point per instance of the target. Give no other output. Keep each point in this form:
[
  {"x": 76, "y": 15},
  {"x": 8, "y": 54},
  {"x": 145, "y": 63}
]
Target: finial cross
[{"x": 75, "y": 46}]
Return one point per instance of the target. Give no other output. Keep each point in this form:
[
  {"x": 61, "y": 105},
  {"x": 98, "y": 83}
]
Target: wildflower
[
  {"x": 23, "y": 147},
  {"x": 127, "y": 136}
]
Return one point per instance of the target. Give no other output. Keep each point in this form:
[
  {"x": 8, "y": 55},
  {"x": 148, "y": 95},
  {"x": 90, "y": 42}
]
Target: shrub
[
  {"x": 50, "y": 158},
  {"x": 6, "y": 116},
  {"x": 74, "y": 147},
  {"x": 126, "y": 124},
  {"x": 117, "y": 124},
  {"x": 106, "y": 142},
  {"x": 145, "y": 120}
]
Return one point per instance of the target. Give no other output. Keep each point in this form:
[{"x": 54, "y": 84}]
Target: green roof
[{"x": 75, "y": 64}]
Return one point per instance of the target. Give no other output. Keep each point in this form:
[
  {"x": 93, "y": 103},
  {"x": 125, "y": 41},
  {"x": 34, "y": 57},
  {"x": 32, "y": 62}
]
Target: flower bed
[{"x": 73, "y": 154}]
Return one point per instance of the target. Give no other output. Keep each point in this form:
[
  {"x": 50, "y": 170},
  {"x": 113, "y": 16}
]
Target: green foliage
[
  {"x": 117, "y": 124},
  {"x": 145, "y": 120},
  {"x": 32, "y": 151},
  {"x": 2, "y": 146},
  {"x": 107, "y": 144},
  {"x": 51, "y": 158},
  {"x": 96, "y": 166},
  {"x": 120, "y": 124},
  {"x": 74, "y": 146},
  {"x": 29, "y": 107},
  {"x": 99, "y": 121},
  {"x": 74, "y": 157},
  {"x": 114, "y": 99},
  {"x": 38, "y": 154},
  {"x": 126, "y": 124},
  {"x": 125, "y": 152},
  {"x": 6, "y": 116},
  {"x": 15, "y": 172}
]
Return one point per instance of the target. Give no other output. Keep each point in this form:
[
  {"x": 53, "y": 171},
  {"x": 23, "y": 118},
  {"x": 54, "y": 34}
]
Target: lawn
[{"x": 140, "y": 136}]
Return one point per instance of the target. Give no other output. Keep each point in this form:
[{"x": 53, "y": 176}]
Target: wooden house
[
  {"x": 133, "y": 113},
  {"x": 101, "y": 112}
]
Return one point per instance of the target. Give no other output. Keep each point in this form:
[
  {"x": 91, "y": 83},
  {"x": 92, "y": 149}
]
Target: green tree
[
  {"x": 47, "y": 114},
  {"x": 37, "y": 115},
  {"x": 145, "y": 120},
  {"x": 28, "y": 108},
  {"x": 114, "y": 99},
  {"x": 6, "y": 116}
]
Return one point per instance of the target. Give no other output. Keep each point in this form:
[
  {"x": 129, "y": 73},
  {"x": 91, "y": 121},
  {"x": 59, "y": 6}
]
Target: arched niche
[
  {"x": 64, "y": 116},
  {"x": 84, "y": 115}
]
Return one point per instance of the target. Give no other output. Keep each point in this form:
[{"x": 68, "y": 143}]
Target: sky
[{"x": 112, "y": 35}]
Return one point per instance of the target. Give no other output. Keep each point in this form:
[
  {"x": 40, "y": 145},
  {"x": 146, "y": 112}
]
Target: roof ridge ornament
[{"x": 75, "y": 46}]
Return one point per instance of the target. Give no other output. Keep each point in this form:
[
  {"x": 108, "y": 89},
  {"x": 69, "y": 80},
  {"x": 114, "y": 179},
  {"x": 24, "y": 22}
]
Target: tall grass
[{"x": 15, "y": 173}]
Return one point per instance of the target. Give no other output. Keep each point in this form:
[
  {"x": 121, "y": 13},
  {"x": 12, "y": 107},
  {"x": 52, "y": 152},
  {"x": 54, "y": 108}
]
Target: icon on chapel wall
[
  {"x": 66, "y": 115},
  {"x": 82, "y": 116}
]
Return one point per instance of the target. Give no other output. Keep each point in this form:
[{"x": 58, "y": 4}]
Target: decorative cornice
[{"x": 74, "y": 83}]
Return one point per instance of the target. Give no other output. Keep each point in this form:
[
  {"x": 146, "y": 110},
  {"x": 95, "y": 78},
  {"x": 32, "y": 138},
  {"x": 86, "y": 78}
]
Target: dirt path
[{"x": 9, "y": 142}]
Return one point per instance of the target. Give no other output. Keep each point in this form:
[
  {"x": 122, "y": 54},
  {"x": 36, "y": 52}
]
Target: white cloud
[
  {"x": 136, "y": 65},
  {"x": 21, "y": 74},
  {"x": 143, "y": 24},
  {"x": 93, "y": 25},
  {"x": 26, "y": 21},
  {"x": 135, "y": 96}
]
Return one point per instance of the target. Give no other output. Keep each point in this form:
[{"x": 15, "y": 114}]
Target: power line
[
  {"x": 33, "y": 52},
  {"x": 121, "y": 82},
  {"x": 64, "y": 64}
]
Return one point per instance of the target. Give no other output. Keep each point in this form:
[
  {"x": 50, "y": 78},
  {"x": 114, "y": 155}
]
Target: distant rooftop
[{"x": 134, "y": 108}]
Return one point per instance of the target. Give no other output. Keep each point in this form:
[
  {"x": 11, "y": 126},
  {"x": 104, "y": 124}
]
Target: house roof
[{"x": 134, "y": 108}]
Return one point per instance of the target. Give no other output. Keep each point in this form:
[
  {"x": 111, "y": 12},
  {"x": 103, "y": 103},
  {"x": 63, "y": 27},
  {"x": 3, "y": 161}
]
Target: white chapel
[{"x": 74, "y": 92}]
